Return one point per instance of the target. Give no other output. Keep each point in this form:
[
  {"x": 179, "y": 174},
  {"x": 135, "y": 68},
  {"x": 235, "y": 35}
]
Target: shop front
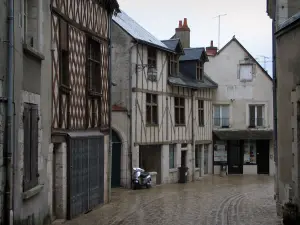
[{"x": 244, "y": 152}]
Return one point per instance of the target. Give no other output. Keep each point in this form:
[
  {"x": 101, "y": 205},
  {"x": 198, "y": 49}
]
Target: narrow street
[{"x": 233, "y": 200}]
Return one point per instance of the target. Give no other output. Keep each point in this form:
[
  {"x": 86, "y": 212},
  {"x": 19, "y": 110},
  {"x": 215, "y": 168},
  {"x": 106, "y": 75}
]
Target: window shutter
[
  {"x": 63, "y": 35},
  {"x": 34, "y": 144},
  {"x": 26, "y": 130}
]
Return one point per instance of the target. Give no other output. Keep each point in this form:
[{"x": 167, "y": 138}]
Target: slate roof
[
  {"x": 184, "y": 81},
  {"x": 172, "y": 43},
  {"x": 191, "y": 54},
  {"x": 244, "y": 134},
  {"x": 137, "y": 31}
]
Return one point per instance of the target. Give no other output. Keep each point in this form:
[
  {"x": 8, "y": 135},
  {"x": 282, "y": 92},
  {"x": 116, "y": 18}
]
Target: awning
[{"x": 244, "y": 134}]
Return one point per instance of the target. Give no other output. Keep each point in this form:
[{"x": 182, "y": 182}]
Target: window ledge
[
  {"x": 172, "y": 170},
  {"x": 151, "y": 125},
  {"x": 197, "y": 169},
  {"x": 33, "y": 52},
  {"x": 179, "y": 125},
  {"x": 32, "y": 192}
]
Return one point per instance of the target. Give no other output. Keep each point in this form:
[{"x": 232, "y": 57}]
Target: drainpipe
[
  {"x": 110, "y": 107},
  {"x": 130, "y": 112},
  {"x": 275, "y": 100},
  {"x": 9, "y": 135},
  {"x": 193, "y": 137}
]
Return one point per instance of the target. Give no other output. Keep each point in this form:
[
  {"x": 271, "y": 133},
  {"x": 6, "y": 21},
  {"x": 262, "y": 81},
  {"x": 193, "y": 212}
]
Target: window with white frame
[
  {"x": 256, "y": 115},
  {"x": 221, "y": 115},
  {"x": 246, "y": 72},
  {"x": 31, "y": 23}
]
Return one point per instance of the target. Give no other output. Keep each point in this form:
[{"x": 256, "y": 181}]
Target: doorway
[
  {"x": 235, "y": 157},
  {"x": 205, "y": 159},
  {"x": 116, "y": 160},
  {"x": 183, "y": 158},
  {"x": 262, "y": 156}
]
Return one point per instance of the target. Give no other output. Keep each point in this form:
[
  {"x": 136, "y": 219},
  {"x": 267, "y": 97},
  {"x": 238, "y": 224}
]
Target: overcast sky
[{"x": 247, "y": 20}]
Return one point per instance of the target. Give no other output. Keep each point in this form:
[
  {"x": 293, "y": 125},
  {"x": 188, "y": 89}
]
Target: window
[
  {"x": 200, "y": 71},
  {"x": 151, "y": 109},
  {"x": 249, "y": 152},
  {"x": 256, "y": 115},
  {"x": 172, "y": 156},
  {"x": 152, "y": 64},
  {"x": 246, "y": 72},
  {"x": 64, "y": 53},
  {"x": 30, "y": 120},
  {"x": 94, "y": 67},
  {"x": 179, "y": 111},
  {"x": 30, "y": 22},
  {"x": 201, "y": 112},
  {"x": 198, "y": 156},
  {"x": 221, "y": 116},
  {"x": 293, "y": 132},
  {"x": 173, "y": 65}
]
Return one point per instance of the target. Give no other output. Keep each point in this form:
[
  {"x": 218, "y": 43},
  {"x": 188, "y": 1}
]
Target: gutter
[
  {"x": 275, "y": 101},
  {"x": 110, "y": 107},
  {"x": 8, "y": 152},
  {"x": 193, "y": 137},
  {"x": 130, "y": 112}
]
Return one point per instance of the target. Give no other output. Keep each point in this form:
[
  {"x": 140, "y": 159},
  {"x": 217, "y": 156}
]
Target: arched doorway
[{"x": 116, "y": 160}]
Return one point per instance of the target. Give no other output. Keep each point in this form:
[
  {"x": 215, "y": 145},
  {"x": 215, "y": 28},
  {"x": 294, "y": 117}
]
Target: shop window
[
  {"x": 250, "y": 152},
  {"x": 172, "y": 156},
  {"x": 198, "y": 156},
  {"x": 220, "y": 152}
]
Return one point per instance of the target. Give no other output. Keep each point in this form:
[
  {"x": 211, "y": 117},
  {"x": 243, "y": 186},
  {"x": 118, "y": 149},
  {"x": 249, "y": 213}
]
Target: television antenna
[{"x": 219, "y": 27}]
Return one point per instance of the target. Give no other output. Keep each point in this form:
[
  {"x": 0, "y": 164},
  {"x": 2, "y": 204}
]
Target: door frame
[{"x": 240, "y": 169}]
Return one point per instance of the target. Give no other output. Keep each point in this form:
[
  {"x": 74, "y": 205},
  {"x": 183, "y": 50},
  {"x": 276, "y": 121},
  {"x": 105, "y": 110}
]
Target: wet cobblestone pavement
[{"x": 233, "y": 200}]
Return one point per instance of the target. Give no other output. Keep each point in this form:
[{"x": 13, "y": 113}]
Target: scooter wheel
[
  {"x": 148, "y": 185},
  {"x": 133, "y": 186}
]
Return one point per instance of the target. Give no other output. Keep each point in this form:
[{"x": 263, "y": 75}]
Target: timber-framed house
[
  {"x": 162, "y": 105},
  {"x": 80, "y": 32}
]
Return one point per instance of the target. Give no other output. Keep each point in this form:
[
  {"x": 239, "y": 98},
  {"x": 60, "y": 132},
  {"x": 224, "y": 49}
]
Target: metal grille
[{"x": 86, "y": 174}]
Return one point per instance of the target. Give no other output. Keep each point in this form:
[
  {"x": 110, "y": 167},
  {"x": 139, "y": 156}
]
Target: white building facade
[
  {"x": 162, "y": 118},
  {"x": 242, "y": 111}
]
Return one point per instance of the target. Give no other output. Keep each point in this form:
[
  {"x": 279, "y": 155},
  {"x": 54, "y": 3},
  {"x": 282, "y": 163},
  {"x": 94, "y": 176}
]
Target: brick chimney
[
  {"x": 211, "y": 50},
  {"x": 183, "y": 33}
]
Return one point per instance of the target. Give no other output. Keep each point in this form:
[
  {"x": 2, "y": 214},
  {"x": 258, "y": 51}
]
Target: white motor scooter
[{"x": 140, "y": 178}]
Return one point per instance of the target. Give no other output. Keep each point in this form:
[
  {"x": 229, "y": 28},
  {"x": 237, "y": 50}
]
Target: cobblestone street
[{"x": 233, "y": 200}]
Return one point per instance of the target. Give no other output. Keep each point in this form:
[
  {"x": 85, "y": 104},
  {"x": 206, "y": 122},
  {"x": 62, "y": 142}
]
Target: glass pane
[
  {"x": 171, "y": 156},
  {"x": 259, "y": 118},
  {"x": 154, "y": 115},
  {"x": 182, "y": 119},
  {"x": 252, "y": 115},
  {"x": 148, "y": 114},
  {"x": 225, "y": 115},
  {"x": 217, "y": 114}
]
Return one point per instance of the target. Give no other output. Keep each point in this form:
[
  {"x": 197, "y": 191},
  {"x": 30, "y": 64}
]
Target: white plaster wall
[
  {"x": 120, "y": 124},
  {"x": 223, "y": 69}
]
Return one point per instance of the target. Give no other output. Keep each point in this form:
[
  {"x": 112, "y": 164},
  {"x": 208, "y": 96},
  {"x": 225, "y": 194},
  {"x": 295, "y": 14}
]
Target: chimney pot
[
  {"x": 185, "y": 22},
  {"x": 211, "y": 43},
  {"x": 180, "y": 23}
]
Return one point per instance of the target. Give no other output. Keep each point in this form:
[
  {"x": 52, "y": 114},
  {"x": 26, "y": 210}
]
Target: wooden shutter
[
  {"x": 63, "y": 35},
  {"x": 26, "y": 129},
  {"x": 34, "y": 144}
]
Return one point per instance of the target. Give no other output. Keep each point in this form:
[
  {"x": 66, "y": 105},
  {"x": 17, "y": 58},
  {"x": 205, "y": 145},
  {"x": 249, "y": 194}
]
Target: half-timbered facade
[
  {"x": 156, "y": 106},
  {"x": 80, "y": 32}
]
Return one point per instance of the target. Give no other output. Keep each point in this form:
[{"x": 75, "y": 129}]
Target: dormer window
[
  {"x": 200, "y": 71},
  {"x": 173, "y": 64}
]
